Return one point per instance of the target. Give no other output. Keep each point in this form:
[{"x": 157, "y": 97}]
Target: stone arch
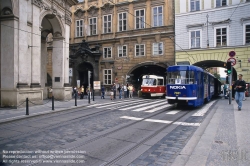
[
  {"x": 147, "y": 63},
  {"x": 57, "y": 22}
]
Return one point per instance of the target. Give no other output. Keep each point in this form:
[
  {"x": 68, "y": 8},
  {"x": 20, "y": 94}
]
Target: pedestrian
[
  {"x": 50, "y": 92},
  {"x": 225, "y": 90},
  {"x": 82, "y": 92},
  {"x": 130, "y": 88},
  {"x": 240, "y": 86},
  {"x": 120, "y": 91},
  {"x": 111, "y": 93},
  {"x": 103, "y": 92},
  {"x": 114, "y": 90},
  {"x": 125, "y": 91}
]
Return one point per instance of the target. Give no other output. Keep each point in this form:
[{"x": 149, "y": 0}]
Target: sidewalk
[
  {"x": 9, "y": 114},
  {"x": 223, "y": 139}
]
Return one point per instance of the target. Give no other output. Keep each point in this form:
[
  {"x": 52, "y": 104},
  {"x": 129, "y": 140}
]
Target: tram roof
[{"x": 184, "y": 68}]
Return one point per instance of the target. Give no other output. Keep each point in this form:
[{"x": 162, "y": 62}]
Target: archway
[
  {"x": 152, "y": 68},
  {"x": 83, "y": 77},
  {"x": 215, "y": 63}
]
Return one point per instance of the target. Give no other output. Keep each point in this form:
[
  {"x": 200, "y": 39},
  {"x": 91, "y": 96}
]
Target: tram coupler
[{"x": 27, "y": 106}]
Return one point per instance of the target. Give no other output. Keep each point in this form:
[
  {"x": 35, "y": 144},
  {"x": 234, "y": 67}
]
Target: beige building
[{"x": 134, "y": 37}]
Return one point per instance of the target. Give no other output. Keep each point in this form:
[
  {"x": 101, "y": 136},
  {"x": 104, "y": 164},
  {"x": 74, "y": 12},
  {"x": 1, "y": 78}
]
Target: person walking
[
  {"x": 125, "y": 91},
  {"x": 240, "y": 86},
  {"x": 130, "y": 88},
  {"x": 120, "y": 91},
  {"x": 103, "y": 92},
  {"x": 114, "y": 90},
  {"x": 111, "y": 93},
  {"x": 233, "y": 90},
  {"x": 82, "y": 92}
]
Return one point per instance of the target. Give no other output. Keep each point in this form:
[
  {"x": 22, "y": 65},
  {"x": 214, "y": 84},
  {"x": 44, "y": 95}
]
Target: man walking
[{"x": 240, "y": 86}]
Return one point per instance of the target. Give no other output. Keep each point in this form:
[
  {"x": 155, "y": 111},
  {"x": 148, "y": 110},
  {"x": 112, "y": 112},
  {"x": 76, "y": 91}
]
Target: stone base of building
[
  {"x": 64, "y": 93},
  {"x": 17, "y": 97}
]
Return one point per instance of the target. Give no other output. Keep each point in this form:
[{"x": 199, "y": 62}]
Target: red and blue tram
[
  {"x": 190, "y": 85},
  {"x": 153, "y": 86}
]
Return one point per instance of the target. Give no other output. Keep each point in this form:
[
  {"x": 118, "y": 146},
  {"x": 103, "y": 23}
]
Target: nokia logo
[{"x": 177, "y": 87}]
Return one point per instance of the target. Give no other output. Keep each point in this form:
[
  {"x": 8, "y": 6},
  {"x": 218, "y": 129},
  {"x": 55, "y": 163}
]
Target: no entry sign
[{"x": 232, "y": 60}]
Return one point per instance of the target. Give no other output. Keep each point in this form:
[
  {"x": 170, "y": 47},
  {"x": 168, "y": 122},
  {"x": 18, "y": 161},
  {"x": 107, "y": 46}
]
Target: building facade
[
  {"x": 134, "y": 37},
  {"x": 208, "y": 30},
  {"x": 25, "y": 25}
]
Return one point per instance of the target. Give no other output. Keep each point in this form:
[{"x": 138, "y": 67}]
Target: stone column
[
  {"x": 66, "y": 63},
  {"x": 58, "y": 70},
  {"x": 43, "y": 69}
]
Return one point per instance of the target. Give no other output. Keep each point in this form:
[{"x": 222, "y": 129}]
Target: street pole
[{"x": 230, "y": 86}]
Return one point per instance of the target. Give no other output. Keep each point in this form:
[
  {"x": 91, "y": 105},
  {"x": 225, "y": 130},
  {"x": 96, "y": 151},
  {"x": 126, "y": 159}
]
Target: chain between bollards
[
  {"x": 53, "y": 108},
  {"x": 27, "y": 106}
]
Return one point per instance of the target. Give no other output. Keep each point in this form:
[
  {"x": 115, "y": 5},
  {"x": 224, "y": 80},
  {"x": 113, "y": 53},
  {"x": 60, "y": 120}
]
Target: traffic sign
[
  {"x": 232, "y": 54},
  {"x": 232, "y": 60}
]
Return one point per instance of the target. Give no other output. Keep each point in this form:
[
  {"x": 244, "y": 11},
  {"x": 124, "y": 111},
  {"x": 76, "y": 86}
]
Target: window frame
[
  {"x": 158, "y": 49},
  {"x": 118, "y": 28},
  {"x": 153, "y": 20},
  {"x": 190, "y": 10},
  {"x": 107, "y": 23},
  {"x": 190, "y": 38},
  {"x": 215, "y": 36},
  {"x": 110, "y": 48},
  {"x": 106, "y": 81},
  {"x": 118, "y": 48},
  {"x": 140, "y": 50},
  {"x": 140, "y": 21},
  {"x": 90, "y": 29},
  {"x": 215, "y": 1},
  {"x": 244, "y": 33},
  {"x": 78, "y": 27}
]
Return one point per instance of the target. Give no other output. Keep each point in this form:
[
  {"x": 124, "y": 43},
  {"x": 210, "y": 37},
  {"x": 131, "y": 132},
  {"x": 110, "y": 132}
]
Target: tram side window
[
  {"x": 154, "y": 83},
  {"x": 160, "y": 81}
]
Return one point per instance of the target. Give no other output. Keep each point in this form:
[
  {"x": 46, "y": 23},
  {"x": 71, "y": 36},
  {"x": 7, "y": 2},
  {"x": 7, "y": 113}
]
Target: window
[
  {"x": 107, "y": 23},
  {"x": 122, "y": 19},
  {"x": 158, "y": 48},
  {"x": 194, "y": 5},
  {"x": 139, "y": 19},
  {"x": 122, "y": 51},
  {"x": 93, "y": 26},
  {"x": 140, "y": 50},
  {"x": 107, "y": 52},
  {"x": 195, "y": 39},
  {"x": 157, "y": 16},
  {"x": 107, "y": 76},
  {"x": 247, "y": 34},
  {"x": 220, "y": 3},
  {"x": 221, "y": 37},
  {"x": 79, "y": 28}
]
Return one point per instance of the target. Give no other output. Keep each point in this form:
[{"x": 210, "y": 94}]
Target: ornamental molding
[{"x": 79, "y": 12}]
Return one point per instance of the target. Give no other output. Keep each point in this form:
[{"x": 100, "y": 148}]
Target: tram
[
  {"x": 153, "y": 86},
  {"x": 190, "y": 85}
]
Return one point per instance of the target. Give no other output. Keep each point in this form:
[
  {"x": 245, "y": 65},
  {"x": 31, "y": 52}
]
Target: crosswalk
[{"x": 135, "y": 105}]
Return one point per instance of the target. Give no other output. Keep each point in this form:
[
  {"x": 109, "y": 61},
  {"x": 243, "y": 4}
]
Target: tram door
[{"x": 200, "y": 87}]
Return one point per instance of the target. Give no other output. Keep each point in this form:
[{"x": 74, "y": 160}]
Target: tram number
[{"x": 177, "y": 93}]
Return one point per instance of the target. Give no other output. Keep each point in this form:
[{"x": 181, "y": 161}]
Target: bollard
[
  {"x": 75, "y": 99},
  {"x": 53, "y": 103},
  {"x": 93, "y": 95},
  {"x": 27, "y": 106},
  {"x": 89, "y": 96}
]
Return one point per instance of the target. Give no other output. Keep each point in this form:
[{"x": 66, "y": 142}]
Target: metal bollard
[
  {"x": 27, "y": 106},
  {"x": 53, "y": 103},
  {"x": 75, "y": 99},
  {"x": 93, "y": 95},
  {"x": 89, "y": 96}
]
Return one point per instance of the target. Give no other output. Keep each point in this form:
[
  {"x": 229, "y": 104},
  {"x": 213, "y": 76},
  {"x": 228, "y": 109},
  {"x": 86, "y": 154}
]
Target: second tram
[
  {"x": 153, "y": 86},
  {"x": 190, "y": 85}
]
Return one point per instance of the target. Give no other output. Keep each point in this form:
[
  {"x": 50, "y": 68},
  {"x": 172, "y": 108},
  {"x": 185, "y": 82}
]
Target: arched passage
[
  {"x": 215, "y": 63},
  {"x": 146, "y": 68},
  {"x": 82, "y": 70}
]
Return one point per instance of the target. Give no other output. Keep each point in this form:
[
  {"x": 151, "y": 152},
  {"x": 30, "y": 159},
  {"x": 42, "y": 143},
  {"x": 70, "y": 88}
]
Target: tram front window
[
  {"x": 148, "y": 81},
  {"x": 180, "y": 77}
]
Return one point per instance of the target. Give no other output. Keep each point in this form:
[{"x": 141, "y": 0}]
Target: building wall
[
  {"x": 234, "y": 16},
  {"x": 121, "y": 66}
]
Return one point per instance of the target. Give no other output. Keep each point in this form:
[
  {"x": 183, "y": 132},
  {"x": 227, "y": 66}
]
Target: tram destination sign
[{"x": 232, "y": 60}]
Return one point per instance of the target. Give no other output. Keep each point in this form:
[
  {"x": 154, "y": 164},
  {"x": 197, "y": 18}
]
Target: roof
[{"x": 184, "y": 68}]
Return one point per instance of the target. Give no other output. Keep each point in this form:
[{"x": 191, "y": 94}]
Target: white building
[{"x": 207, "y": 30}]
